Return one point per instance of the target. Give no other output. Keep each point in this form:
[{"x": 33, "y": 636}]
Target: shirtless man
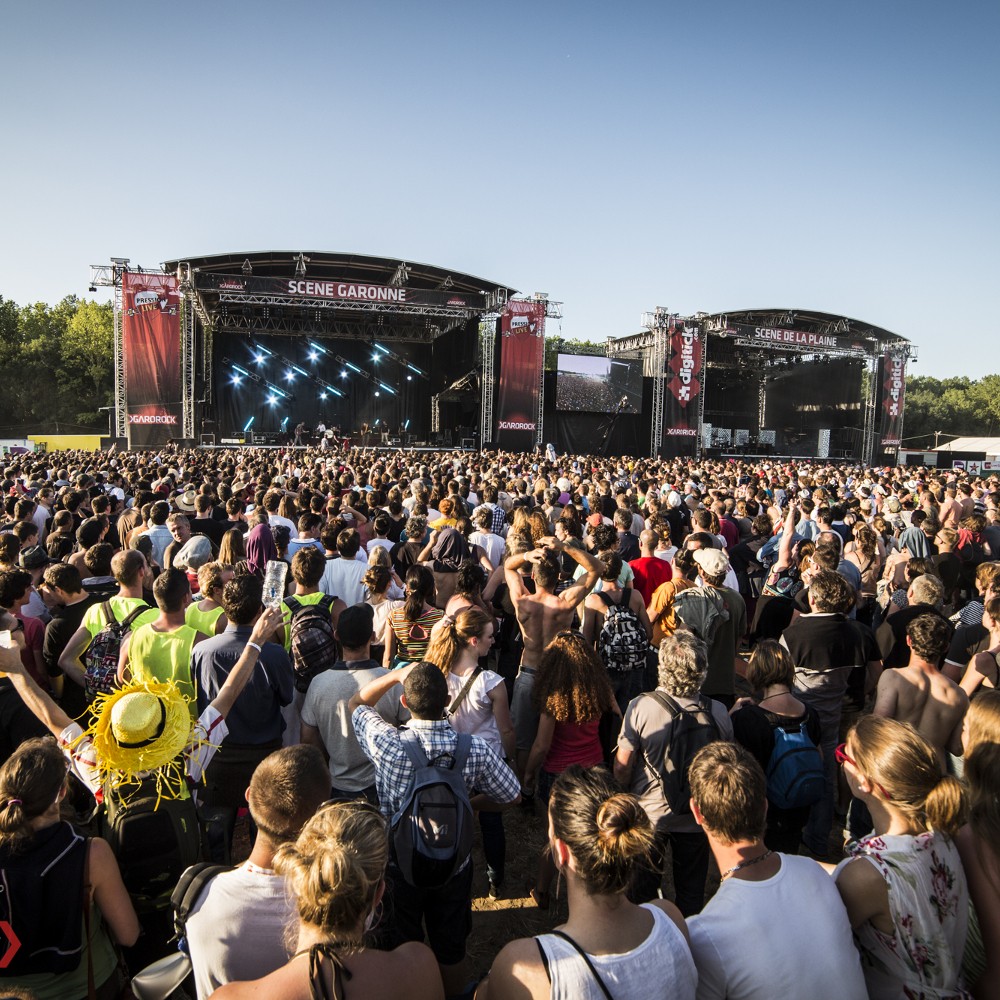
[
  {"x": 920, "y": 694},
  {"x": 541, "y": 616}
]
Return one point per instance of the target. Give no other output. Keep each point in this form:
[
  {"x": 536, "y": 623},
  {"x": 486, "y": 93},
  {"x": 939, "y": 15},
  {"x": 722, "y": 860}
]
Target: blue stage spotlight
[
  {"x": 316, "y": 347},
  {"x": 247, "y": 425},
  {"x": 385, "y": 388}
]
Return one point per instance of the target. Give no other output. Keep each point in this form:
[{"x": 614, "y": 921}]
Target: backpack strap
[
  {"x": 462, "y": 749},
  {"x": 109, "y": 613},
  {"x": 294, "y": 605},
  {"x": 129, "y": 620},
  {"x": 463, "y": 694},
  {"x": 326, "y": 602},
  {"x": 189, "y": 889},
  {"x": 413, "y": 748},
  {"x": 607, "y": 600},
  {"x": 88, "y": 893}
]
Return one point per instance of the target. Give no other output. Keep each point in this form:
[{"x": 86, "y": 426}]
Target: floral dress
[{"x": 928, "y": 900}]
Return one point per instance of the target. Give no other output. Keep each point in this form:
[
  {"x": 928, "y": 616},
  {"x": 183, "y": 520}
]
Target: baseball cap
[{"x": 713, "y": 561}]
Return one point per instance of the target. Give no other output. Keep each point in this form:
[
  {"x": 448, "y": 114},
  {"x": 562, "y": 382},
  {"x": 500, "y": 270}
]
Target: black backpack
[
  {"x": 154, "y": 839},
  {"x": 690, "y": 730},
  {"x": 622, "y": 643},
  {"x": 314, "y": 647},
  {"x": 432, "y": 829},
  {"x": 100, "y": 659},
  {"x": 188, "y": 891}
]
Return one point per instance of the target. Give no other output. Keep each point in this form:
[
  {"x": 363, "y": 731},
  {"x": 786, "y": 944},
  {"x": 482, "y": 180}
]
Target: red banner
[
  {"x": 684, "y": 373},
  {"x": 522, "y": 357},
  {"x": 892, "y": 389},
  {"x": 151, "y": 337}
]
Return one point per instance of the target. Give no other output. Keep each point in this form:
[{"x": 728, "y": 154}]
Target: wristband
[{"x": 254, "y": 645}]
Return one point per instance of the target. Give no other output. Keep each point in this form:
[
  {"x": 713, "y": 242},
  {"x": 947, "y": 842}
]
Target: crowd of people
[{"x": 753, "y": 707}]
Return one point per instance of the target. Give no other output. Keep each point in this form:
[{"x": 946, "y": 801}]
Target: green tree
[
  {"x": 85, "y": 375},
  {"x": 560, "y": 345}
]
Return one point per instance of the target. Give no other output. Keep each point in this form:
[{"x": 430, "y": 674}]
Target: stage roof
[
  {"x": 810, "y": 321},
  {"x": 326, "y": 264},
  {"x": 322, "y": 294}
]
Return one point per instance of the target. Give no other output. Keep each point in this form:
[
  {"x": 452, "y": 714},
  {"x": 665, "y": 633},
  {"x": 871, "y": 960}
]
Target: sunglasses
[{"x": 840, "y": 755}]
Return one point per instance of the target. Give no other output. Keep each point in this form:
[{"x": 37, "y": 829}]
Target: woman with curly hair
[
  {"x": 571, "y": 693},
  {"x": 336, "y": 872}
]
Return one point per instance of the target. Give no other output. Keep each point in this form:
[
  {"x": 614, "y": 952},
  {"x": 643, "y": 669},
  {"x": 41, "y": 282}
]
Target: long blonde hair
[
  {"x": 454, "y": 635},
  {"x": 896, "y": 757}
]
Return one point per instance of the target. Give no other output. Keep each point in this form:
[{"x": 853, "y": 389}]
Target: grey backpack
[{"x": 432, "y": 829}]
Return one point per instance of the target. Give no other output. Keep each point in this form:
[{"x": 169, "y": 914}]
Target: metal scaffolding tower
[
  {"x": 660, "y": 324},
  {"x": 110, "y": 276}
]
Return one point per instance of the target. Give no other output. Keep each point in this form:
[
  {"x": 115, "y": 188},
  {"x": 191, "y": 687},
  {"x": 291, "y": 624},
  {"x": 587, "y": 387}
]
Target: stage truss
[{"x": 652, "y": 345}]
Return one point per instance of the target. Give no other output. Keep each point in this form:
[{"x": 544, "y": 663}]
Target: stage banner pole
[
  {"x": 152, "y": 347},
  {"x": 681, "y": 421},
  {"x": 522, "y": 361},
  {"x": 892, "y": 387}
]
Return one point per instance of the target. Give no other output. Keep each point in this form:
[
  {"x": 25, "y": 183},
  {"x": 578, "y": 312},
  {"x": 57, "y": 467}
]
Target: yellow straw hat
[{"x": 141, "y": 730}]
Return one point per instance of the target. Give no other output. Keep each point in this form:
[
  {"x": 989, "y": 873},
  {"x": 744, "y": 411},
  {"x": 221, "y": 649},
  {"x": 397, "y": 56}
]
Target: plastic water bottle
[{"x": 274, "y": 583}]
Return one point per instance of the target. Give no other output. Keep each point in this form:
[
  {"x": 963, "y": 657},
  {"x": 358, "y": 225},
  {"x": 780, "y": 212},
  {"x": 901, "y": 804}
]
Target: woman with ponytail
[
  {"x": 904, "y": 887},
  {"x": 979, "y": 844},
  {"x": 408, "y": 628},
  {"x": 50, "y": 874},
  {"x": 608, "y": 947},
  {"x": 477, "y": 704},
  {"x": 336, "y": 872}
]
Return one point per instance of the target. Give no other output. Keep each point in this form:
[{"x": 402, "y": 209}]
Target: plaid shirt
[{"x": 484, "y": 770}]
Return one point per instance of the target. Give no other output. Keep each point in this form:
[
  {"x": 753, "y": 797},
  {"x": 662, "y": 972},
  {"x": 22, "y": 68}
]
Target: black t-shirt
[
  {"x": 754, "y": 728},
  {"x": 892, "y": 633},
  {"x": 966, "y": 642},
  {"x": 208, "y": 526},
  {"x": 830, "y": 654},
  {"x": 17, "y": 723},
  {"x": 65, "y": 621}
]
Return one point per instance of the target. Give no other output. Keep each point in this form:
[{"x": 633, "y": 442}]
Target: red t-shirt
[
  {"x": 34, "y": 639},
  {"x": 650, "y": 572}
]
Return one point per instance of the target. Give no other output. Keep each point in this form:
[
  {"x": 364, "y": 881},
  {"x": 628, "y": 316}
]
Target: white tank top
[{"x": 659, "y": 968}]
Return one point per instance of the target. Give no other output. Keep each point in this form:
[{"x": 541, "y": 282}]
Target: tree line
[
  {"x": 56, "y": 366},
  {"x": 57, "y": 372}
]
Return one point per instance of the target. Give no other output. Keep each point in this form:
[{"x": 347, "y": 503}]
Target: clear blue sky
[{"x": 839, "y": 156}]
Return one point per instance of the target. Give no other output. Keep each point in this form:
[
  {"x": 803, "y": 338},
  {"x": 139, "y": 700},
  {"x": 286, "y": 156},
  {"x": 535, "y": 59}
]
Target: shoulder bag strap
[
  {"x": 463, "y": 694},
  {"x": 87, "y": 894},
  {"x": 587, "y": 962}
]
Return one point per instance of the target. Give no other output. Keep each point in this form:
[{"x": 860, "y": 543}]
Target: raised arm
[
  {"x": 574, "y": 594},
  {"x": 374, "y": 690},
  {"x": 784, "y": 559}
]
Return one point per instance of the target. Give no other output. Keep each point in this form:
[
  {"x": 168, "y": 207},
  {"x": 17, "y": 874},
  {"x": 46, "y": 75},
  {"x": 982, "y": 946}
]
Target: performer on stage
[
  {"x": 320, "y": 429},
  {"x": 300, "y": 429}
]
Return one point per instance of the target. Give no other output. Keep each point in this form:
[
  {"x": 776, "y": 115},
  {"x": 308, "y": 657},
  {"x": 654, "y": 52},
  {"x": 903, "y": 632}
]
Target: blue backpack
[
  {"x": 431, "y": 832},
  {"x": 795, "y": 771}
]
